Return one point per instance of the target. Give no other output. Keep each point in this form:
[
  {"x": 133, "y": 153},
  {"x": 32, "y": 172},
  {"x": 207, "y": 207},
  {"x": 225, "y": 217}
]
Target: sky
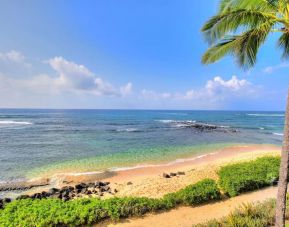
[{"x": 112, "y": 54}]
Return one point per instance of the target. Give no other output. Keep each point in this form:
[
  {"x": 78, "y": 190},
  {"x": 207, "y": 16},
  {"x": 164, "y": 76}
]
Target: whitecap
[
  {"x": 128, "y": 130},
  {"x": 265, "y": 115},
  {"x": 278, "y": 134},
  {"x": 15, "y": 123}
]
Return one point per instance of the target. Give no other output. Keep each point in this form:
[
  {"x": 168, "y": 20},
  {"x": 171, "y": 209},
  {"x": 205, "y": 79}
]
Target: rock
[
  {"x": 99, "y": 184},
  {"x": 91, "y": 185},
  {"x": 45, "y": 194},
  {"x": 181, "y": 173},
  {"x": 53, "y": 190},
  {"x": 37, "y": 196},
  {"x": 22, "y": 197},
  {"x": 165, "y": 175},
  {"x": 115, "y": 190},
  {"x": 6, "y": 200},
  {"x": 173, "y": 174},
  {"x": 129, "y": 183},
  {"x": 83, "y": 191},
  {"x": 81, "y": 186}
]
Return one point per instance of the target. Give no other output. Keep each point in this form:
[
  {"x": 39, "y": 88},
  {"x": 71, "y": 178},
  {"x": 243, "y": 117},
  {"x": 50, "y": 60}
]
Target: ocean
[{"x": 39, "y": 142}]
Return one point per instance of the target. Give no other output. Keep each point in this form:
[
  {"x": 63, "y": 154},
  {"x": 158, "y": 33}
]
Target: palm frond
[
  {"x": 260, "y": 5},
  {"x": 216, "y": 52},
  {"x": 243, "y": 47},
  {"x": 283, "y": 43},
  {"x": 220, "y": 25}
]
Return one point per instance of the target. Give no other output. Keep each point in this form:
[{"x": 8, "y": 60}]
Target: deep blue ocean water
[{"x": 36, "y": 141}]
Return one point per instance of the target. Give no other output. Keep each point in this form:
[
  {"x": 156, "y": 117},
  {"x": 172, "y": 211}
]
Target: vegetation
[
  {"x": 55, "y": 212},
  {"x": 239, "y": 29},
  {"x": 247, "y": 176},
  {"x": 250, "y": 215}
]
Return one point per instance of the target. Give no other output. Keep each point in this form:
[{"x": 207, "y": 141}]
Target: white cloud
[
  {"x": 13, "y": 63},
  {"x": 271, "y": 69},
  {"x": 215, "y": 90},
  {"x": 77, "y": 77}
]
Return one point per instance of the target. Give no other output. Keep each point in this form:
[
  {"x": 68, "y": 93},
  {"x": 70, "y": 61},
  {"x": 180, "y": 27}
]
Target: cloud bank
[{"x": 73, "y": 85}]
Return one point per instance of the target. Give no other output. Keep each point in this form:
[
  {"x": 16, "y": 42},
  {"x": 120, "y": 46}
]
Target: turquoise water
[{"x": 36, "y": 142}]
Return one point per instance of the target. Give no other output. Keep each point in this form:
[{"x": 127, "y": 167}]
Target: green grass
[
  {"x": 54, "y": 212},
  {"x": 247, "y": 176}
]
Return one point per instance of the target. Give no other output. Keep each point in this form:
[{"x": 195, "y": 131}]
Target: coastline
[{"x": 148, "y": 180}]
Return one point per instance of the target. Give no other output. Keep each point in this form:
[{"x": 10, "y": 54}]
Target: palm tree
[{"x": 239, "y": 29}]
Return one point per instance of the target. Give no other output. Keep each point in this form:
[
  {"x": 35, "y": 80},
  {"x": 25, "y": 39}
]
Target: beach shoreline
[{"x": 149, "y": 180}]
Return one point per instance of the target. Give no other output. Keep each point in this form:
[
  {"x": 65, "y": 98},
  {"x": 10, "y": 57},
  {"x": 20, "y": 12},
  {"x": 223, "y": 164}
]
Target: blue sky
[{"x": 141, "y": 54}]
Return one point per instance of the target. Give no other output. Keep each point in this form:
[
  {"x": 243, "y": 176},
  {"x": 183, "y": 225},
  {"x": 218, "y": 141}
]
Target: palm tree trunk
[{"x": 283, "y": 174}]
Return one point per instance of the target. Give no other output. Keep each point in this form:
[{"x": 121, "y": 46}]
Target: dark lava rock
[
  {"x": 37, "y": 196},
  {"x": 99, "y": 184},
  {"x": 6, "y": 200},
  {"x": 165, "y": 175},
  {"x": 81, "y": 186},
  {"x": 22, "y": 197},
  {"x": 115, "y": 190},
  {"x": 53, "y": 190},
  {"x": 181, "y": 173},
  {"x": 173, "y": 174}
]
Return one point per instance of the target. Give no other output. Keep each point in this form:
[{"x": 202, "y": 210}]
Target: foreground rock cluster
[{"x": 68, "y": 192}]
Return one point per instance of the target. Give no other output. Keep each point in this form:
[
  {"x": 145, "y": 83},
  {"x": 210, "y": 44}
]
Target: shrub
[
  {"x": 261, "y": 214},
  {"x": 55, "y": 212},
  {"x": 203, "y": 191},
  {"x": 241, "y": 177}
]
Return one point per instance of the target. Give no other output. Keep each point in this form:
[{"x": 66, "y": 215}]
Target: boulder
[
  {"x": 165, "y": 175},
  {"x": 6, "y": 200},
  {"x": 53, "y": 190},
  {"x": 173, "y": 174},
  {"x": 181, "y": 173},
  {"x": 81, "y": 186}
]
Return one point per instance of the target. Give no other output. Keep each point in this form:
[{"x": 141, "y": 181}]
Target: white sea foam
[
  {"x": 261, "y": 128},
  {"x": 166, "y": 121},
  {"x": 15, "y": 123},
  {"x": 266, "y": 115},
  {"x": 278, "y": 134},
  {"x": 127, "y": 130}
]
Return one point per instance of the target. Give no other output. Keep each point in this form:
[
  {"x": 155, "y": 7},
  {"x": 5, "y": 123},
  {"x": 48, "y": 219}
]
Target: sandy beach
[{"x": 148, "y": 180}]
